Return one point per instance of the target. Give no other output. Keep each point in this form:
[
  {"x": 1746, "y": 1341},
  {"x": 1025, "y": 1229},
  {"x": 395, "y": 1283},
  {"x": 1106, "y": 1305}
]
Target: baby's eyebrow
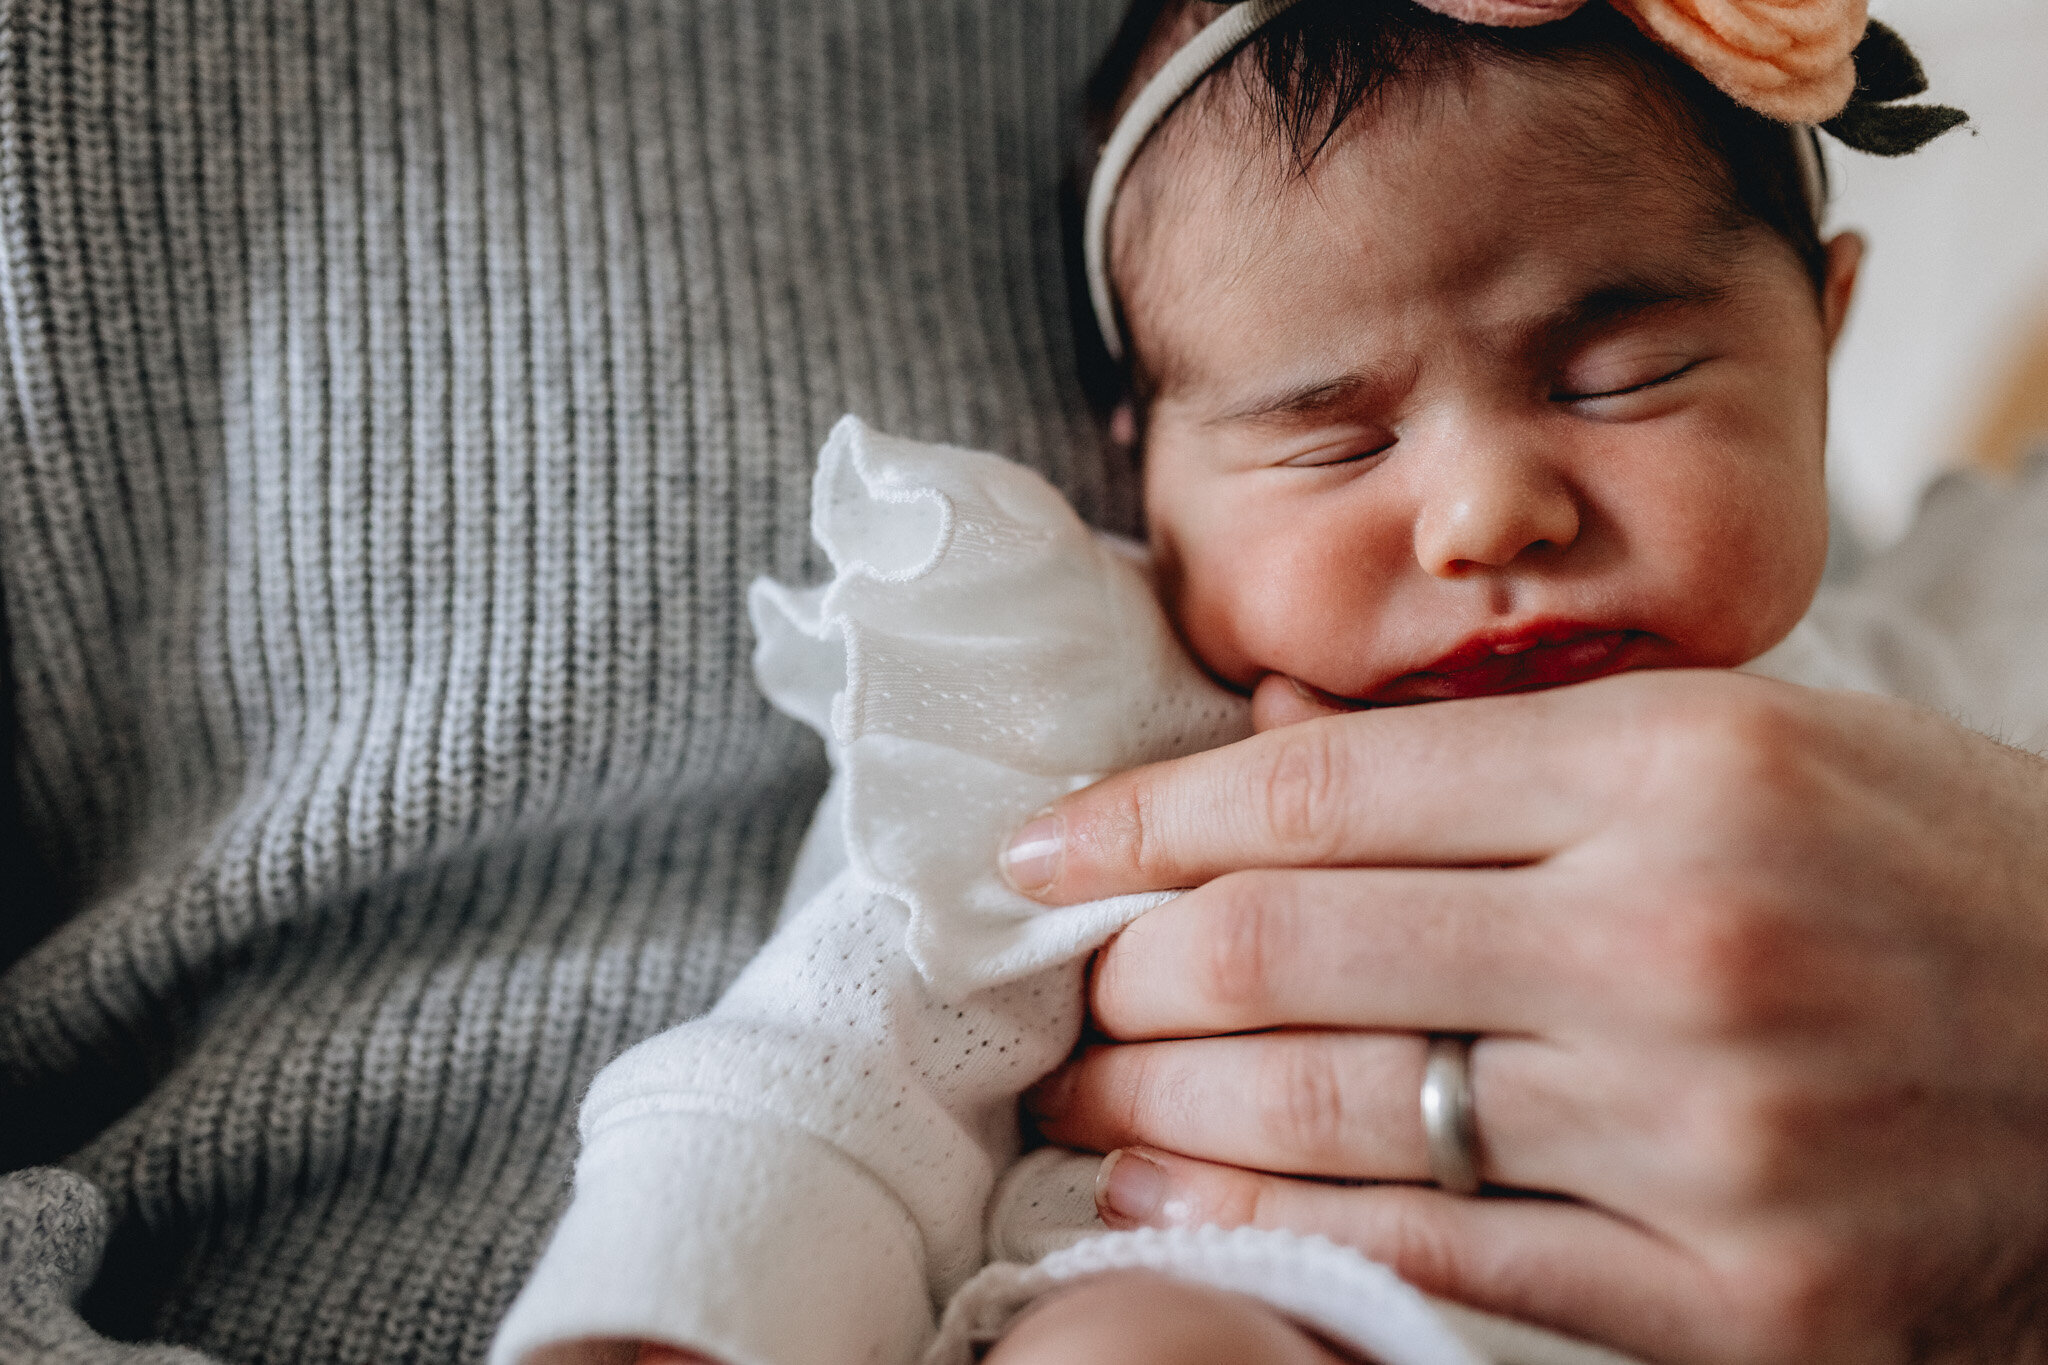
[
  {"x": 1312, "y": 398},
  {"x": 1624, "y": 298}
]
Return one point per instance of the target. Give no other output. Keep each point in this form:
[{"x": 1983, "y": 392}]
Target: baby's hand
[
  {"x": 1280, "y": 701},
  {"x": 1135, "y": 1318}
]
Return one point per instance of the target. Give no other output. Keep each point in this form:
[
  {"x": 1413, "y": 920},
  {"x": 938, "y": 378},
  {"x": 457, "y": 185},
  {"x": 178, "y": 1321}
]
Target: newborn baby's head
[{"x": 1468, "y": 361}]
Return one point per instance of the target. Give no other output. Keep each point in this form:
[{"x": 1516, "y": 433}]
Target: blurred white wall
[{"x": 1958, "y": 265}]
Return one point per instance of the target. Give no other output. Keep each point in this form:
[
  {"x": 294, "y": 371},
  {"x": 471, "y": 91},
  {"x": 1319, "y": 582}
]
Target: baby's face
[{"x": 1491, "y": 401}]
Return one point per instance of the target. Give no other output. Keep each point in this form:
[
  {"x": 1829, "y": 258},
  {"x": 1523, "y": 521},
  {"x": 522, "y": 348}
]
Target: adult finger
[
  {"x": 1497, "y": 950},
  {"x": 1337, "y": 1105},
  {"x": 1493, "y": 780},
  {"x": 1341, "y": 1106},
  {"x": 1570, "y": 1267}
]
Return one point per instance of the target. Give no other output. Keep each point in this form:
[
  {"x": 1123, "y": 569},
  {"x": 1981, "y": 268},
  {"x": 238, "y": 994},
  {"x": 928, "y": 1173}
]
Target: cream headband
[{"x": 1817, "y": 63}]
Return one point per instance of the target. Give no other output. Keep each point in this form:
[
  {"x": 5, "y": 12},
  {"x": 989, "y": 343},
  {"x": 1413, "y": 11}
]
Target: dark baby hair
[{"x": 1308, "y": 71}]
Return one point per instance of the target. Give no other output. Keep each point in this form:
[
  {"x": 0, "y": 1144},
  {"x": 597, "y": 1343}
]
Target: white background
[{"x": 1958, "y": 266}]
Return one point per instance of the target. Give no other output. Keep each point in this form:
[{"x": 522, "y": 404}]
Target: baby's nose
[{"x": 1484, "y": 511}]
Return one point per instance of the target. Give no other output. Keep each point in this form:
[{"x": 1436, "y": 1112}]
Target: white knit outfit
[{"x": 826, "y": 1168}]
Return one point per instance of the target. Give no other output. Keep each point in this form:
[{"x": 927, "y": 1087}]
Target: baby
[{"x": 1462, "y": 361}]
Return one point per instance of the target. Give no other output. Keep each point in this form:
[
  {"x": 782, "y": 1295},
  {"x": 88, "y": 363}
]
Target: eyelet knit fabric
[
  {"x": 978, "y": 652},
  {"x": 841, "y": 1131}
]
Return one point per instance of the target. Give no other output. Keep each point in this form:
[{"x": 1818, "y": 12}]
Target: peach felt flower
[{"x": 1790, "y": 59}]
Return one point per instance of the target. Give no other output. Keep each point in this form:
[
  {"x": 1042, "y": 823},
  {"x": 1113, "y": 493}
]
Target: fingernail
[
  {"x": 1050, "y": 1097},
  {"x": 1301, "y": 690},
  {"x": 1128, "y": 1188},
  {"x": 1032, "y": 861}
]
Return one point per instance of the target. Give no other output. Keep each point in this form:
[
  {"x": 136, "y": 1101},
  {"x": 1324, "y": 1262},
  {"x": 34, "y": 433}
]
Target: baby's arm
[{"x": 827, "y": 1137}]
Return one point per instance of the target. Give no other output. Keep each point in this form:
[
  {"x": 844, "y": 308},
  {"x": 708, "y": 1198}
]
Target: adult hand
[{"x": 1760, "y": 976}]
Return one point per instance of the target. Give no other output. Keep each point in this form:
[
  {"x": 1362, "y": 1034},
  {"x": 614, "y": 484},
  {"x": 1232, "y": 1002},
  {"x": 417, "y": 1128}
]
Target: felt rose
[{"x": 1790, "y": 59}]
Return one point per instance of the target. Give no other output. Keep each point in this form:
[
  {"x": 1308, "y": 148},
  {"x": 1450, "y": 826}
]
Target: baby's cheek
[
  {"x": 1723, "y": 526},
  {"x": 1741, "y": 581},
  {"x": 1212, "y": 621},
  {"x": 1276, "y": 604}
]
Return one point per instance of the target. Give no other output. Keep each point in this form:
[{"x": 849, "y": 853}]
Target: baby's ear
[{"x": 1845, "y": 259}]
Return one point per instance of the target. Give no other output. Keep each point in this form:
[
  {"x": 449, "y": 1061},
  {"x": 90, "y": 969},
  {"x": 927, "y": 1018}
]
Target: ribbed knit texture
[{"x": 399, "y": 397}]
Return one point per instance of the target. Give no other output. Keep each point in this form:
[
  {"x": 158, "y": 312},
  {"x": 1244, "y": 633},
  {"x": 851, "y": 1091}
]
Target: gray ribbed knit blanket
[{"x": 399, "y": 396}]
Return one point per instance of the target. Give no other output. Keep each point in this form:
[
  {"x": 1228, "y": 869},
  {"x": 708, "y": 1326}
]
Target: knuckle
[
  {"x": 1418, "y": 1246},
  {"x": 1797, "y": 1295},
  {"x": 1722, "y": 962},
  {"x": 1251, "y": 935},
  {"x": 1747, "y": 1134},
  {"x": 1301, "y": 1106},
  {"x": 1137, "y": 818},
  {"x": 1300, "y": 786},
  {"x": 1751, "y": 745},
  {"x": 1113, "y": 836}
]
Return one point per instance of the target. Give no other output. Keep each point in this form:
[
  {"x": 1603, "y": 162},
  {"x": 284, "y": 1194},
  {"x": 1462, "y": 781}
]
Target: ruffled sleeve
[
  {"x": 829, "y": 1134},
  {"x": 978, "y": 652}
]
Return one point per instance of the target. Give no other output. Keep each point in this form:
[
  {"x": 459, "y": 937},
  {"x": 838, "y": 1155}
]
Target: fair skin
[
  {"x": 1455, "y": 417},
  {"x": 1454, "y": 460},
  {"x": 1755, "y": 970},
  {"x": 1459, "y": 417}
]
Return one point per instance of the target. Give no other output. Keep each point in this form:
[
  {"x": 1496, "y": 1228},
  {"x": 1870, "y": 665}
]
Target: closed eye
[
  {"x": 1329, "y": 457},
  {"x": 1625, "y": 389}
]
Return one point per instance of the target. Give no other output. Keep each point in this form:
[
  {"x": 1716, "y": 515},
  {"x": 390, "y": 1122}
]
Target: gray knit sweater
[{"x": 399, "y": 395}]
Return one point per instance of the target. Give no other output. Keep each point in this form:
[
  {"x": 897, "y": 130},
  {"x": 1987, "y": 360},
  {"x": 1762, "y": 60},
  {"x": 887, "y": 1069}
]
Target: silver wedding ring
[{"x": 1447, "y": 1116}]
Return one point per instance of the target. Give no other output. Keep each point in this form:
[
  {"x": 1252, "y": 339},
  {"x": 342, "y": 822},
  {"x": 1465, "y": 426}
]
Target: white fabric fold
[{"x": 978, "y": 652}]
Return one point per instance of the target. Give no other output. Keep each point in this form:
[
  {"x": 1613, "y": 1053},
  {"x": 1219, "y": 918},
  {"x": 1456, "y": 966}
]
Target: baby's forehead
[
  {"x": 1590, "y": 117},
  {"x": 1433, "y": 187}
]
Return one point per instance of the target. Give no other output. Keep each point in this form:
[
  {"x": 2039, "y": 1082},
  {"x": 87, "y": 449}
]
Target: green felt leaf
[
  {"x": 1893, "y": 129},
  {"x": 1886, "y": 68}
]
